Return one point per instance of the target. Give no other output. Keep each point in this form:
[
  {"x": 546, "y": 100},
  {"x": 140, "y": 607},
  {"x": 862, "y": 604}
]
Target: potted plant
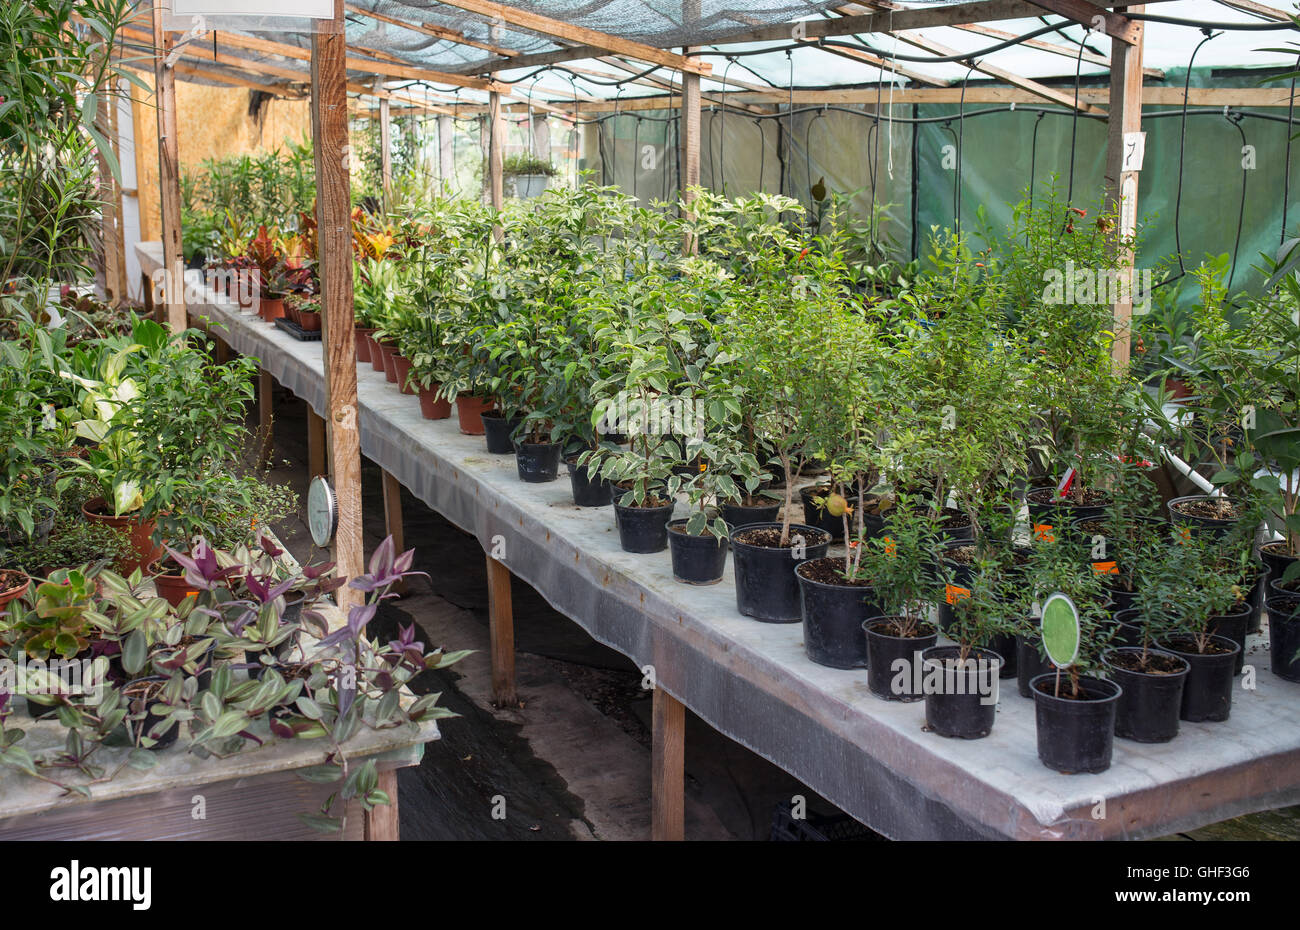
[
  {"x": 698, "y": 544},
  {"x": 961, "y": 681},
  {"x": 900, "y": 566},
  {"x": 530, "y": 173}
]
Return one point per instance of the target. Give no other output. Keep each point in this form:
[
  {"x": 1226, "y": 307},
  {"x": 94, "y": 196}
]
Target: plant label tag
[
  {"x": 1043, "y": 532},
  {"x": 1067, "y": 482},
  {"x": 955, "y": 593},
  {"x": 889, "y": 546},
  {"x": 1060, "y": 630},
  {"x": 1105, "y": 568},
  {"x": 1135, "y": 149}
]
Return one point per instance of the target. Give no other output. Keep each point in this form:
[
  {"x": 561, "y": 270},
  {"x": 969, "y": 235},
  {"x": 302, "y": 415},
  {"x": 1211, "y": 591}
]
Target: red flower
[{"x": 1079, "y": 210}]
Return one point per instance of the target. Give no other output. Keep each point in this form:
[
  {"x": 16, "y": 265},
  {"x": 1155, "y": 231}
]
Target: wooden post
[
  {"x": 667, "y": 768},
  {"x": 393, "y": 518},
  {"x": 385, "y": 152},
  {"x": 265, "y": 425},
  {"x": 329, "y": 120},
  {"x": 110, "y": 201},
  {"x": 446, "y": 151},
  {"x": 690, "y": 121},
  {"x": 169, "y": 176},
  {"x": 496, "y": 141},
  {"x": 317, "y": 462},
  {"x": 501, "y": 634},
  {"x": 1125, "y": 116},
  {"x": 382, "y": 824}
]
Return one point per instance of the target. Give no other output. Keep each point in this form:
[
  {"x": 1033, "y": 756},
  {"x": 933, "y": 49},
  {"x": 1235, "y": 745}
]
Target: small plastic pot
[
  {"x": 1284, "y": 637},
  {"x": 1199, "y": 524},
  {"x": 1129, "y": 628},
  {"x": 498, "y": 432},
  {"x": 739, "y": 515},
  {"x": 310, "y": 322},
  {"x": 586, "y": 491},
  {"x": 965, "y": 704},
  {"x": 469, "y": 414},
  {"x": 1207, "y": 696},
  {"x": 433, "y": 407},
  {"x": 642, "y": 529},
  {"x": 402, "y": 366},
  {"x": 698, "y": 560},
  {"x": 538, "y": 462},
  {"x": 138, "y": 728},
  {"x": 390, "y": 361},
  {"x": 375, "y": 351},
  {"x": 363, "y": 344},
  {"x": 173, "y": 588},
  {"x": 1149, "y": 702},
  {"x": 1004, "y": 646},
  {"x": 1051, "y": 519},
  {"x": 833, "y": 617},
  {"x": 893, "y": 661},
  {"x": 1030, "y": 663},
  {"x": 766, "y": 587},
  {"x": 1075, "y": 735},
  {"x": 1233, "y": 626}
]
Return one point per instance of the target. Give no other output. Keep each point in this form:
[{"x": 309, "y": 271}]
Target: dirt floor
[{"x": 573, "y": 762}]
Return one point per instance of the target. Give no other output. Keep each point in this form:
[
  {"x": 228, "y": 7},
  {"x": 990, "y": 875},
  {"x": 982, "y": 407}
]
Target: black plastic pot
[
  {"x": 696, "y": 559},
  {"x": 1198, "y": 524},
  {"x": 766, "y": 587},
  {"x": 1075, "y": 735},
  {"x": 1284, "y": 637},
  {"x": 955, "y": 534},
  {"x": 1277, "y": 588},
  {"x": 739, "y": 515},
  {"x": 1207, "y": 696},
  {"x": 1233, "y": 626},
  {"x": 815, "y": 515},
  {"x": 1004, "y": 645},
  {"x": 1276, "y": 563},
  {"x": 1128, "y": 627},
  {"x": 642, "y": 529},
  {"x": 833, "y": 615},
  {"x": 886, "y": 677},
  {"x": 1120, "y": 599},
  {"x": 961, "y": 576},
  {"x": 1079, "y": 534},
  {"x": 961, "y": 708},
  {"x": 586, "y": 492},
  {"x": 1059, "y": 517},
  {"x": 1149, "y": 702},
  {"x": 498, "y": 432},
  {"x": 1258, "y": 592},
  {"x": 1030, "y": 663},
  {"x": 537, "y": 462}
]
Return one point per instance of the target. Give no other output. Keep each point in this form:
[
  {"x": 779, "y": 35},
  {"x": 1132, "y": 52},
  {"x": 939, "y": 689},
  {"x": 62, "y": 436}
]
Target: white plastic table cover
[{"x": 752, "y": 681}]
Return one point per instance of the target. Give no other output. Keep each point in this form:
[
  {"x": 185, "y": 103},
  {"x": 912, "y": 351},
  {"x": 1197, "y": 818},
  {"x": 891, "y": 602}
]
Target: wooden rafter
[
  {"x": 1268, "y": 12},
  {"x": 1051, "y": 47},
  {"x": 581, "y": 35},
  {"x": 437, "y": 32},
  {"x": 278, "y": 90},
  {"x": 1041, "y": 90},
  {"x": 1117, "y": 25},
  {"x": 877, "y": 62},
  {"x": 204, "y": 53}
]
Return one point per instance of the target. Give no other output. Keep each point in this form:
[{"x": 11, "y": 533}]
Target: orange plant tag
[
  {"x": 1105, "y": 568},
  {"x": 1043, "y": 532},
  {"x": 955, "y": 593}
]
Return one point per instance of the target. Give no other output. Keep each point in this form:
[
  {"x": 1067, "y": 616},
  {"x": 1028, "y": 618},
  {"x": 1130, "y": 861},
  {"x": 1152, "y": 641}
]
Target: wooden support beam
[
  {"x": 169, "y": 176},
  {"x": 569, "y": 32},
  {"x": 317, "y": 443},
  {"x": 882, "y": 64},
  {"x": 329, "y": 119},
  {"x": 113, "y": 251},
  {"x": 386, "y": 153},
  {"x": 1122, "y": 185},
  {"x": 1063, "y": 50},
  {"x": 234, "y": 80},
  {"x": 1115, "y": 25},
  {"x": 501, "y": 634},
  {"x": 429, "y": 29},
  {"x": 667, "y": 768},
  {"x": 393, "y": 518},
  {"x": 1268, "y": 12},
  {"x": 496, "y": 128},
  {"x": 408, "y": 72},
  {"x": 690, "y": 125},
  {"x": 446, "y": 165},
  {"x": 205, "y": 52},
  {"x": 1060, "y": 97},
  {"x": 383, "y": 824}
]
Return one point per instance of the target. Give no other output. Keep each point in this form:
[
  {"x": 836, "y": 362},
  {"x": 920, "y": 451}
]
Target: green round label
[{"x": 1061, "y": 630}]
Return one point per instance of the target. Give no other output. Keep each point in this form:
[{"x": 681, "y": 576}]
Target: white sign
[
  {"x": 313, "y": 9},
  {"x": 1135, "y": 147}
]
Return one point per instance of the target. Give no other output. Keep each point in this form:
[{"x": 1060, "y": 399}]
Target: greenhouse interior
[{"x": 650, "y": 420}]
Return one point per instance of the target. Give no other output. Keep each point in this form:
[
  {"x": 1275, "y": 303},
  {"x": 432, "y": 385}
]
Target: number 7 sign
[{"x": 1135, "y": 145}]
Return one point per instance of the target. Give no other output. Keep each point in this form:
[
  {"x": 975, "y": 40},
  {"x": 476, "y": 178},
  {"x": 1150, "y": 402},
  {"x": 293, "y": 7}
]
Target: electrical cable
[
  {"x": 961, "y": 134},
  {"x": 1033, "y": 167},
  {"x": 1182, "y": 151},
  {"x": 1286, "y": 176},
  {"x": 1074, "y": 123},
  {"x": 1241, "y": 210}
]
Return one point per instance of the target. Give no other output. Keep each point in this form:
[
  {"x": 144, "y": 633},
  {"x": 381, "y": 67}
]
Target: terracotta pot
[
  {"x": 143, "y": 551},
  {"x": 431, "y": 406},
  {"x": 310, "y": 322},
  {"x": 375, "y": 351},
  {"x": 402, "y": 366},
  {"x": 291, "y": 313},
  {"x": 363, "y": 344},
  {"x": 15, "y": 590},
  {"x": 469, "y": 413},
  {"x": 390, "y": 366},
  {"x": 173, "y": 588},
  {"x": 271, "y": 308}
]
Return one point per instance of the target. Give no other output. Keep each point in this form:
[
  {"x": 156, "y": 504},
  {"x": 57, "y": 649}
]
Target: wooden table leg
[
  {"x": 382, "y": 823},
  {"x": 316, "y": 463},
  {"x": 667, "y": 768},
  {"x": 146, "y": 295},
  {"x": 393, "y": 518},
  {"x": 501, "y": 633},
  {"x": 264, "y": 386}
]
